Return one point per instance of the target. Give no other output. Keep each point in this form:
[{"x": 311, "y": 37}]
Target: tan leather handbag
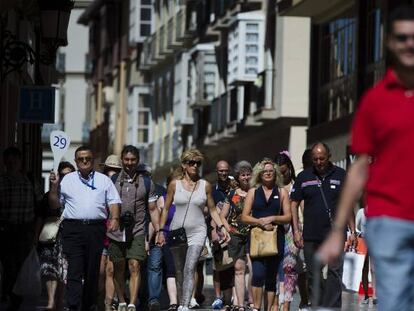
[{"x": 263, "y": 243}]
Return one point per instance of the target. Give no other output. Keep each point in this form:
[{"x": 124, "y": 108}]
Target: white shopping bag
[
  {"x": 28, "y": 282},
  {"x": 353, "y": 265}
]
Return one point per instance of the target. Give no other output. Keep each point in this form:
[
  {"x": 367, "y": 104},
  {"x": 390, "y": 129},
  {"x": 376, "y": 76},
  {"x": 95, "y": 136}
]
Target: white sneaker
[
  {"x": 122, "y": 306},
  {"x": 193, "y": 304},
  {"x": 182, "y": 308},
  {"x": 131, "y": 307}
]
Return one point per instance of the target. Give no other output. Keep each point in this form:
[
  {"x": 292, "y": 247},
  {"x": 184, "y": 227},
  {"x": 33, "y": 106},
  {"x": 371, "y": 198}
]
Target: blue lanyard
[{"x": 92, "y": 186}]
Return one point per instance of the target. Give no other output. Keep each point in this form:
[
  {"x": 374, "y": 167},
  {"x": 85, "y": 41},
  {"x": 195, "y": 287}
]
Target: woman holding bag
[
  {"x": 266, "y": 206},
  {"x": 188, "y": 229}
]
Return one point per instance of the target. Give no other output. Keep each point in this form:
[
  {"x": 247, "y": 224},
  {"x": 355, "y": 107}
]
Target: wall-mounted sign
[{"x": 37, "y": 104}]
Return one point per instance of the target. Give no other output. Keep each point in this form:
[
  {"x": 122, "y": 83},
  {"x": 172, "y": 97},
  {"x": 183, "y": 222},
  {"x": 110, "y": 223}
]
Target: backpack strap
[{"x": 114, "y": 177}]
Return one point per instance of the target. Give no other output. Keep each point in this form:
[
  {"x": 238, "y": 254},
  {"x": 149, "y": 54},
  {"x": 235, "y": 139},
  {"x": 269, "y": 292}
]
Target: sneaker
[
  {"x": 154, "y": 306},
  {"x": 193, "y": 304},
  {"x": 365, "y": 301},
  {"x": 217, "y": 303},
  {"x": 200, "y": 299},
  {"x": 131, "y": 307},
  {"x": 374, "y": 301},
  {"x": 182, "y": 308},
  {"x": 122, "y": 306}
]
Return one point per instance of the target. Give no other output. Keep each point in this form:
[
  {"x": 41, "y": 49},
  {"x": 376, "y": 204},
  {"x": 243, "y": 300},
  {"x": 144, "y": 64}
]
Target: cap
[{"x": 112, "y": 161}]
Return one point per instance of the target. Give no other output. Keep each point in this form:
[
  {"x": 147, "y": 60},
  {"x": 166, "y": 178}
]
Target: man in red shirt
[{"x": 383, "y": 138}]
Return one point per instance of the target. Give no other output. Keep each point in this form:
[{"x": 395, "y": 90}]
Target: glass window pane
[
  {"x": 252, "y": 37},
  {"x": 145, "y": 14},
  {"x": 252, "y": 27},
  {"x": 145, "y": 30}
]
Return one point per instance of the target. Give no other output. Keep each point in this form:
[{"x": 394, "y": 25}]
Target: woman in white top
[{"x": 190, "y": 195}]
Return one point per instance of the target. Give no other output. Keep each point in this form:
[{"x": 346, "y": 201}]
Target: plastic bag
[
  {"x": 352, "y": 272},
  {"x": 28, "y": 281}
]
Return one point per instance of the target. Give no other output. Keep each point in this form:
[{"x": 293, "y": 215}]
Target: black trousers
[
  {"x": 331, "y": 289},
  {"x": 82, "y": 246}
]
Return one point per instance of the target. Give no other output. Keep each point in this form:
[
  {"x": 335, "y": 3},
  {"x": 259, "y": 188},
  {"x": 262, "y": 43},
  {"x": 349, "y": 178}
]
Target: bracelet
[{"x": 162, "y": 230}]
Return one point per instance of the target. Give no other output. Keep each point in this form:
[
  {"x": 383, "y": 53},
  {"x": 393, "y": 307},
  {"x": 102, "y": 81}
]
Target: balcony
[
  {"x": 172, "y": 43},
  {"x": 163, "y": 41}
]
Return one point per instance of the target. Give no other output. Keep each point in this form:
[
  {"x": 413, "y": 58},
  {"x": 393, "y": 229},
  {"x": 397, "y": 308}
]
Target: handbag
[
  {"x": 50, "y": 230},
  {"x": 263, "y": 243},
  {"x": 178, "y": 236}
]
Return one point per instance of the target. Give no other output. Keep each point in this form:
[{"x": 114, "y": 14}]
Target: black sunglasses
[
  {"x": 401, "y": 37},
  {"x": 193, "y": 162},
  {"x": 84, "y": 159}
]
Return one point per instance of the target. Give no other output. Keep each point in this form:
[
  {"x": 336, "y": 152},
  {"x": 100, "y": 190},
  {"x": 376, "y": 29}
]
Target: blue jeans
[
  {"x": 391, "y": 246},
  {"x": 154, "y": 269}
]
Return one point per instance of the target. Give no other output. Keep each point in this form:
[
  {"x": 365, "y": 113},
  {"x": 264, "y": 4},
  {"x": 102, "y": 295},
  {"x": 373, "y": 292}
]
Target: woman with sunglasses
[
  {"x": 266, "y": 205},
  {"x": 191, "y": 195}
]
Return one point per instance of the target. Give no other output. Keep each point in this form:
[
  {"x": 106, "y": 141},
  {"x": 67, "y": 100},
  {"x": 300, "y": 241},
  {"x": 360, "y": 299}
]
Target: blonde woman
[
  {"x": 190, "y": 195},
  {"x": 266, "y": 205}
]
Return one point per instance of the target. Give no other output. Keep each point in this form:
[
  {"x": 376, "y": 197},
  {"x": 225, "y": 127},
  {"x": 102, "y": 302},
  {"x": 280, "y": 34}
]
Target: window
[
  {"x": 337, "y": 65},
  {"x": 144, "y": 118},
  {"x": 140, "y": 20},
  {"x": 252, "y": 48},
  {"x": 61, "y": 62},
  {"x": 252, "y": 37},
  {"x": 374, "y": 43}
]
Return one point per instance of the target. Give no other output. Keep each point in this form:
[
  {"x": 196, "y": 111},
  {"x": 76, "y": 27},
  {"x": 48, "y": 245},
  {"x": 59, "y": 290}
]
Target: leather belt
[{"x": 85, "y": 221}]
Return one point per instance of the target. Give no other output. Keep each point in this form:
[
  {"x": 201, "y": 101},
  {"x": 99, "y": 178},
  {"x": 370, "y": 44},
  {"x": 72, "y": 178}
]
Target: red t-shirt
[{"x": 383, "y": 127}]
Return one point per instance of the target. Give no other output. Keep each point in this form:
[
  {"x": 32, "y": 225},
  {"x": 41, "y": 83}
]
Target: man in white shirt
[{"x": 84, "y": 195}]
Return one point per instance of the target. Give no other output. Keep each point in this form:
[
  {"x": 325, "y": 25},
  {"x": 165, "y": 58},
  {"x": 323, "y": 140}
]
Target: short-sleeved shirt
[
  {"x": 383, "y": 128},
  {"x": 219, "y": 194},
  {"x": 316, "y": 216},
  {"x": 87, "y": 198},
  {"x": 133, "y": 195}
]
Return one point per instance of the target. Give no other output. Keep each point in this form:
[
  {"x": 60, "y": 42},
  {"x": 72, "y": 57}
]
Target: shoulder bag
[
  {"x": 178, "y": 236},
  {"x": 263, "y": 243},
  {"x": 50, "y": 230}
]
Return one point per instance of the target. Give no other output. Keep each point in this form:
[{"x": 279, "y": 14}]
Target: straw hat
[{"x": 112, "y": 161}]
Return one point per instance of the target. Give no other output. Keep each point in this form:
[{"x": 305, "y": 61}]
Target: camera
[{"x": 127, "y": 220}]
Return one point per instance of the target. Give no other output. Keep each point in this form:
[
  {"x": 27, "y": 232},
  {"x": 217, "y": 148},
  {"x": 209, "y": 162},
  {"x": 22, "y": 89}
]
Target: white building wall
[{"x": 292, "y": 66}]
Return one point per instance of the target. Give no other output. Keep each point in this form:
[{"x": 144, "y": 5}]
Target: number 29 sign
[{"x": 59, "y": 143}]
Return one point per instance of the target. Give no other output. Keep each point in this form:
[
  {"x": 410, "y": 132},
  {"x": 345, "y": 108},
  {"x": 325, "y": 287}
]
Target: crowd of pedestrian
[{"x": 122, "y": 237}]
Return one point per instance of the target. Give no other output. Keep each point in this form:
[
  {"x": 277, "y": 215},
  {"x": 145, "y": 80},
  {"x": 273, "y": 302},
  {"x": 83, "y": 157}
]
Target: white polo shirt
[{"x": 87, "y": 199}]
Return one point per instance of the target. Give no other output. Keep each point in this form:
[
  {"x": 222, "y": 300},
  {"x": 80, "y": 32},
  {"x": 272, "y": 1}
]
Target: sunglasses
[
  {"x": 193, "y": 162},
  {"x": 84, "y": 159},
  {"x": 401, "y": 37}
]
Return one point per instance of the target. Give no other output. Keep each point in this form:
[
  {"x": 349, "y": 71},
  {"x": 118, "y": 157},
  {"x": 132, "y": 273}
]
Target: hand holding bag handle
[{"x": 263, "y": 243}]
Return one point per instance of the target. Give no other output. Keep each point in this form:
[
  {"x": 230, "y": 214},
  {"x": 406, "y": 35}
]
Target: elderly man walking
[{"x": 85, "y": 195}]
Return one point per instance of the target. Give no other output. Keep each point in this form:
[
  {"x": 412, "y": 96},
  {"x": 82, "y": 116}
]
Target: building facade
[
  {"x": 348, "y": 55},
  {"x": 229, "y": 78}
]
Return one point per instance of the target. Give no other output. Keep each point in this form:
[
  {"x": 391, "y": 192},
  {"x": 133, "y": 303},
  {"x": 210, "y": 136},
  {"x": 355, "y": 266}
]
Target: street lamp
[{"x": 54, "y": 21}]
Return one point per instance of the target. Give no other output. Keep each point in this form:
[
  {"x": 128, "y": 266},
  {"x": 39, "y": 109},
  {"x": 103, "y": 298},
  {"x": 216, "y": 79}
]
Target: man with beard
[
  {"x": 319, "y": 187},
  {"x": 382, "y": 137},
  {"x": 137, "y": 193}
]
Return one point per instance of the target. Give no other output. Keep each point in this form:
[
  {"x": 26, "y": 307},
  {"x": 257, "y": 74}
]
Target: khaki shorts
[{"x": 119, "y": 251}]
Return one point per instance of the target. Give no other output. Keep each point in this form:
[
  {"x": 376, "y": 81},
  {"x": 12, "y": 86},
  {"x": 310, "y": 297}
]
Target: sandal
[{"x": 173, "y": 307}]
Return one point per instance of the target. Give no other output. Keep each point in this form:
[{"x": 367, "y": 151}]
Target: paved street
[{"x": 351, "y": 302}]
